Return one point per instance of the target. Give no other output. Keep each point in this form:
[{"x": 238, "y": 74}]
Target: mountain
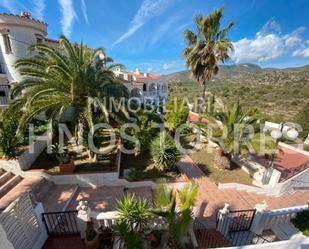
[
  {"x": 251, "y": 73},
  {"x": 278, "y": 93}
]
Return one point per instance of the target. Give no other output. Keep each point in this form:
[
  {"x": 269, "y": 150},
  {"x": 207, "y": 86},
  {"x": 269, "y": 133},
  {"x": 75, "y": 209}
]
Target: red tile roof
[{"x": 194, "y": 117}]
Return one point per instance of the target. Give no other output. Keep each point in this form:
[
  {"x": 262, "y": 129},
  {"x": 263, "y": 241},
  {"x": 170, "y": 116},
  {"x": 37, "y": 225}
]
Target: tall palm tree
[
  {"x": 72, "y": 77},
  {"x": 207, "y": 48}
]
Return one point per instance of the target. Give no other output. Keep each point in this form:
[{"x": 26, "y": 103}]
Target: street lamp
[{"x": 277, "y": 134}]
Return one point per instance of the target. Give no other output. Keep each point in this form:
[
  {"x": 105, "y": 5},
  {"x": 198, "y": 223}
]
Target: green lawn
[
  {"x": 144, "y": 168},
  {"x": 302, "y": 222},
  {"x": 205, "y": 161}
]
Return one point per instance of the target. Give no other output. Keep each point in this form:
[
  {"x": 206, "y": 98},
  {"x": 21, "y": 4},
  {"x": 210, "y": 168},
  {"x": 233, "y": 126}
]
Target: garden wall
[{"x": 28, "y": 157}]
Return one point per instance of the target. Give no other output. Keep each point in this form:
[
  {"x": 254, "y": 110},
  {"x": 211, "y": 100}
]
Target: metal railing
[{"x": 61, "y": 223}]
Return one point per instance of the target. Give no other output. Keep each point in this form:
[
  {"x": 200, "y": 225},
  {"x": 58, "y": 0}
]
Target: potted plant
[
  {"x": 66, "y": 165},
  {"x": 92, "y": 240}
]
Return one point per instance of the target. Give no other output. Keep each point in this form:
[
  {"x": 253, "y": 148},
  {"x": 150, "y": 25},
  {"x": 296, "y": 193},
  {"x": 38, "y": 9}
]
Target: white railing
[{"x": 265, "y": 220}]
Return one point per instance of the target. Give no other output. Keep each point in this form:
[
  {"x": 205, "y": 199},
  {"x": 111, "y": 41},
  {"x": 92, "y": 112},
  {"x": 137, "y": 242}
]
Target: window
[
  {"x": 39, "y": 40},
  {"x": 2, "y": 93},
  {"x": 1, "y": 70},
  {"x": 7, "y": 43}
]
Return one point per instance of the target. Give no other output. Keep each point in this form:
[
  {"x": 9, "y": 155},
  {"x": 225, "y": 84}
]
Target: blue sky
[{"x": 148, "y": 33}]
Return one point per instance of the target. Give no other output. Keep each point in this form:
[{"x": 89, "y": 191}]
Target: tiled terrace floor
[
  {"x": 210, "y": 198},
  {"x": 64, "y": 243},
  {"x": 56, "y": 199}
]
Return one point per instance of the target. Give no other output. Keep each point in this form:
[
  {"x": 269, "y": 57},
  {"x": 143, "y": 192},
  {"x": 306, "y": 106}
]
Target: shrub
[
  {"x": 302, "y": 118},
  {"x": 177, "y": 114},
  {"x": 302, "y": 222},
  {"x": 8, "y": 138},
  {"x": 164, "y": 152}
]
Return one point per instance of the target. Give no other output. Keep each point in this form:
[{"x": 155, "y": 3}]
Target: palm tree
[
  {"x": 207, "y": 48},
  {"x": 73, "y": 77},
  {"x": 236, "y": 125},
  {"x": 178, "y": 217}
]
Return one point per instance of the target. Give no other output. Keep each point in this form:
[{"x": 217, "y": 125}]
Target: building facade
[{"x": 144, "y": 86}]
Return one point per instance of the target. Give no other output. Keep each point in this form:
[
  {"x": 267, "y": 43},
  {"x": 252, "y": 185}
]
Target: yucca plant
[
  {"x": 134, "y": 212},
  {"x": 164, "y": 152},
  {"x": 73, "y": 77},
  {"x": 207, "y": 47},
  {"x": 178, "y": 217}
]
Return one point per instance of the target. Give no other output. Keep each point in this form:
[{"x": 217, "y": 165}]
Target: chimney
[
  {"x": 138, "y": 71},
  {"x": 146, "y": 74},
  {"x": 118, "y": 69}
]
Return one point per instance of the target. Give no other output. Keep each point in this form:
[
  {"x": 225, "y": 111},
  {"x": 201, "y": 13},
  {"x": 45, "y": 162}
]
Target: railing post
[
  {"x": 258, "y": 225},
  {"x": 83, "y": 217},
  {"x": 224, "y": 220}
]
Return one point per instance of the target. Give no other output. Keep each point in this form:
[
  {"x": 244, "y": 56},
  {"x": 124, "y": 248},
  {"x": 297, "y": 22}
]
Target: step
[
  {"x": 23, "y": 186},
  {"x": 4, "y": 189},
  {"x": 40, "y": 190},
  {"x": 5, "y": 177},
  {"x": 210, "y": 238}
]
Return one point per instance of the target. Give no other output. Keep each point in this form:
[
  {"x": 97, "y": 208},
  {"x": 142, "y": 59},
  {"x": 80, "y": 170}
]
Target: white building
[
  {"x": 144, "y": 86},
  {"x": 17, "y": 33}
]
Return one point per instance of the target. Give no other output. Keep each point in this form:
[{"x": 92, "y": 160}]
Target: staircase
[{"x": 12, "y": 186}]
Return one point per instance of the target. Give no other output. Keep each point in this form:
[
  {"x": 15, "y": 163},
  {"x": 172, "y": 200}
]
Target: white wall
[
  {"x": 22, "y": 33},
  {"x": 295, "y": 243}
]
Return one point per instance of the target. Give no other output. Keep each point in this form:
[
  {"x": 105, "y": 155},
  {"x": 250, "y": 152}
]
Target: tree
[
  {"x": 178, "y": 218},
  {"x": 164, "y": 152},
  {"x": 71, "y": 77},
  {"x": 147, "y": 129},
  {"x": 207, "y": 48},
  {"x": 177, "y": 113},
  {"x": 236, "y": 129},
  {"x": 302, "y": 118}
]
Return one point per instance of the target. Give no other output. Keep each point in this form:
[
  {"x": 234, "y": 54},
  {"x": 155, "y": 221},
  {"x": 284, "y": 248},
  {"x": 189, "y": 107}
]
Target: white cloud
[
  {"x": 173, "y": 65},
  {"x": 268, "y": 44},
  {"x": 148, "y": 10},
  {"x": 84, "y": 10},
  {"x": 302, "y": 52},
  {"x": 10, "y": 6},
  {"x": 167, "y": 66},
  {"x": 39, "y": 8},
  {"x": 68, "y": 16}
]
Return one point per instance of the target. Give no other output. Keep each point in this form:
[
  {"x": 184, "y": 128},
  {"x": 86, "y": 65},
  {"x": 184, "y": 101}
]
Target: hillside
[{"x": 279, "y": 93}]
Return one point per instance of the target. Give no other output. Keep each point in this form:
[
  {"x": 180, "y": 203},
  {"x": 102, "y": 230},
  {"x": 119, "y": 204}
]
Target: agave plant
[
  {"x": 72, "y": 77},
  {"x": 164, "y": 152}
]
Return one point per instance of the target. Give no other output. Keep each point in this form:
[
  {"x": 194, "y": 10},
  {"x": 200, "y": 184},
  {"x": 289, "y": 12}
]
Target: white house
[{"x": 144, "y": 85}]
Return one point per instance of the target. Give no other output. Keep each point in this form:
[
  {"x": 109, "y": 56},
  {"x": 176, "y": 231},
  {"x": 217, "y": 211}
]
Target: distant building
[{"x": 144, "y": 86}]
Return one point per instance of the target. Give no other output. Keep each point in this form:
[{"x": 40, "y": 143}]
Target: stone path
[{"x": 210, "y": 198}]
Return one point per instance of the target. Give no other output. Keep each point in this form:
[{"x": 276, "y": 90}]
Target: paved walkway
[{"x": 210, "y": 198}]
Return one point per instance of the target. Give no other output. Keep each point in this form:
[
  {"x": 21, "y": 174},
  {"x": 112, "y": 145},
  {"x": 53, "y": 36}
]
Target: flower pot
[
  {"x": 67, "y": 168},
  {"x": 93, "y": 244}
]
